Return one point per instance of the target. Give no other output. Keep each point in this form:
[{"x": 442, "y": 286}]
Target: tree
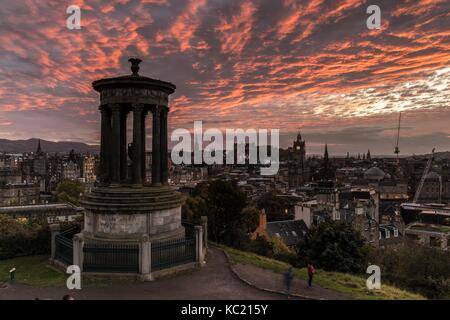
[
  {"x": 273, "y": 205},
  {"x": 225, "y": 205},
  {"x": 70, "y": 191},
  {"x": 413, "y": 267},
  {"x": 334, "y": 246},
  {"x": 250, "y": 218}
]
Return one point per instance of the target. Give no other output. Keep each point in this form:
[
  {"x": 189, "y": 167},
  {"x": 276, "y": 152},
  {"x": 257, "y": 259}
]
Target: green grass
[
  {"x": 36, "y": 271},
  {"x": 32, "y": 270},
  {"x": 352, "y": 286}
]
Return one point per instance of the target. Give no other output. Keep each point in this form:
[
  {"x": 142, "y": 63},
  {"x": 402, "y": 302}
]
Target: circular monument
[{"x": 126, "y": 206}]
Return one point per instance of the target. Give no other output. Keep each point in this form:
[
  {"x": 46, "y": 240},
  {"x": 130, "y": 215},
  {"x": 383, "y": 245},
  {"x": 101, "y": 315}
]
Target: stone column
[
  {"x": 444, "y": 243},
  {"x": 145, "y": 260},
  {"x": 78, "y": 250},
  {"x": 137, "y": 143},
  {"x": 105, "y": 148},
  {"x": 115, "y": 144},
  {"x": 199, "y": 245},
  {"x": 156, "y": 148},
  {"x": 123, "y": 146},
  {"x": 164, "y": 146},
  {"x": 205, "y": 230},
  {"x": 143, "y": 146},
  {"x": 55, "y": 229}
]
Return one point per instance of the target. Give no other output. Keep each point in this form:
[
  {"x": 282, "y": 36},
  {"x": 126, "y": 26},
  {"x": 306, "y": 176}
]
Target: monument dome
[{"x": 374, "y": 173}]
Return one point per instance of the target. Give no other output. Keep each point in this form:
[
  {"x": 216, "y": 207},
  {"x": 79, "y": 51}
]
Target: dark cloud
[{"x": 247, "y": 63}]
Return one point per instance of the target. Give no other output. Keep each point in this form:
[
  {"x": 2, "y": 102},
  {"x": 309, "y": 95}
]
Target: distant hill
[
  {"x": 30, "y": 145},
  {"x": 437, "y": 155}
]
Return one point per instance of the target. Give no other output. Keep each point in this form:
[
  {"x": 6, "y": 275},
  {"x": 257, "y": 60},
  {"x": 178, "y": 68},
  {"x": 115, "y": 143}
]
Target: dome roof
[
  {"x": 374, "y": 173},
  {"x": 432, "y": 176}
]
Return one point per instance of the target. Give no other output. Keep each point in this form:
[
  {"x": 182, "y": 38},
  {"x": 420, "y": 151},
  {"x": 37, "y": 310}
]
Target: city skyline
[{"x": 311, "y": 66}]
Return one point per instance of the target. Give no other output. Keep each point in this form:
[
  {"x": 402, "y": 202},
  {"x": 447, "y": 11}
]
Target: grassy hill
[{"x": 352, "y": 286}]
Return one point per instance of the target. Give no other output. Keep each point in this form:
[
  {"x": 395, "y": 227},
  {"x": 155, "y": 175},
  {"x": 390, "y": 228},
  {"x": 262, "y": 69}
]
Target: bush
[
  {"x": 259, "y": 246},
  {"x": 274, "y": 248},
  {"x": 230, "y": 219},
  {"x": 70, "y": 191},
  {"x": 334, "y": 246},
  {"x": 21, "y": 238},
  {"x": 417, "y": 268},
  {"x": 282, "y": 252}
]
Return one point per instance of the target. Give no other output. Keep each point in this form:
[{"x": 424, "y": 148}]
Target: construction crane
[
  {"x": 424, "y": 176},
  {"x": 397, "y": 149}
]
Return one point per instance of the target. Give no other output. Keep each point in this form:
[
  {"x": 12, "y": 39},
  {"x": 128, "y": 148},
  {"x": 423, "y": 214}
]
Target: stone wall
[{"x": 135, "y": 225}]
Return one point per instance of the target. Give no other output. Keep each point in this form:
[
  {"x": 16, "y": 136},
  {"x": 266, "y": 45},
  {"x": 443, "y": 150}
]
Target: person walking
[
  {"x": 288, "y": 277},
  {"x": 311, "y": 272}
]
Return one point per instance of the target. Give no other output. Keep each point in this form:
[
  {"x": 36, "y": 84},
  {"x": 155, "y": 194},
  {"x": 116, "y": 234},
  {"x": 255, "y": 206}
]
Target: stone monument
[{"x": 126, "y": 207}]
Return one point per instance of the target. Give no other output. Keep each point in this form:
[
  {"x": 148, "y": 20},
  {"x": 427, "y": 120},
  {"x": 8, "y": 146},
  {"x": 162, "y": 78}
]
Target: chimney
[{"x": 263, "y": 219}]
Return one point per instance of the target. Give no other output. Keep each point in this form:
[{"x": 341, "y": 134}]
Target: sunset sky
[{"x": 289, "y": 64}]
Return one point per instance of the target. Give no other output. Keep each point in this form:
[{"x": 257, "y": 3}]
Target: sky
[{"x": 292, "y": 65}]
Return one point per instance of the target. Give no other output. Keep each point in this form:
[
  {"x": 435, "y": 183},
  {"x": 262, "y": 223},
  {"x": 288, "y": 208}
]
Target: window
[
  {"x": 277, "y": 234},
  {"x": 388, "y": 234},
  {"x": 294, "y": 233},
  {"x": 396, "y": 233},
  {"x": 380, "y": 235},
  {"x": 338, "y": 215}
]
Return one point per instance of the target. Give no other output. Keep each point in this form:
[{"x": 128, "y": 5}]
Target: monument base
[{"x": 127, "y": 213}]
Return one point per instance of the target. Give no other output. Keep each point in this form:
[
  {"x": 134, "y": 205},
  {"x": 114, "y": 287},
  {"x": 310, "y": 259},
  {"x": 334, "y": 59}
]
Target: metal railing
[
  {"x": 64, "y": 249},
  {"x": 170, "y": 253},
  {"x": 113, "y": 258}
]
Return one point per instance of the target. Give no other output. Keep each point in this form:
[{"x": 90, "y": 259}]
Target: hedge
[{"x": 22, "y": 238}]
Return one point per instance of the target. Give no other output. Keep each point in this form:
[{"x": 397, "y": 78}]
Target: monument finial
[{"x": 135, "y": 65}]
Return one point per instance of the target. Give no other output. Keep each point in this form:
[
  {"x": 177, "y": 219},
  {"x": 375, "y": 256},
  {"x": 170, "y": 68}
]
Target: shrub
[
  {"x": 282, "y": 252},
  {"x": 421, "y": 269},
  {"x": 21, "y": 238},
  {"x": 334, "y": 246}
]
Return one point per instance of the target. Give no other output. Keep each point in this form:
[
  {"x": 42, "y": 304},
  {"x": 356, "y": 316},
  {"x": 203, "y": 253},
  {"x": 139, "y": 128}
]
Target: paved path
[
  {"x": 214, "y": 281},
  {"x": 273, "y": 281}
]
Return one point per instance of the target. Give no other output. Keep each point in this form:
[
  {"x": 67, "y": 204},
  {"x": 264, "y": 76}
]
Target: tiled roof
[{"x": 290, "y": 231}]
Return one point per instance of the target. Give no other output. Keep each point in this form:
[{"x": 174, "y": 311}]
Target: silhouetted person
[
  {"x": 288, "y": 277},
  {"x": 311, "y": 272}
]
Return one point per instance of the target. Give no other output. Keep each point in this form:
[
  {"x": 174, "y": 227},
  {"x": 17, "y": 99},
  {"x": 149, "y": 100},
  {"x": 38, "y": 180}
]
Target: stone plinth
[{"x": 126, "y": 213}]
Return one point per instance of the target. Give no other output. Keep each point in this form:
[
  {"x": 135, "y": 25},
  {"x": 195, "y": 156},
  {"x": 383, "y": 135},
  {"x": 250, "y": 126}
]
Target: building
[
  {"x": 358, "y": 207},
  {"x": 14, "y": 191},
  {"x": 89, "y": 169},
  {"x": 289, "y": 231},
  {"x": 432, "y": 189},
  {"x": 427, "y": 224},
  {"x": 70, "y": 170},
  {"x": 40, "y": 162},
  {"x": 55, "y": 212},
  {"x": 298, "y": 171},
  {"x": 391, "y": 192}
]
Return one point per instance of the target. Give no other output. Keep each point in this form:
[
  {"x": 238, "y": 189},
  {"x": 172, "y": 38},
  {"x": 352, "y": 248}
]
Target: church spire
[
  {"x": 39, "y": 150},
  {"x": 325, "y": 156}
]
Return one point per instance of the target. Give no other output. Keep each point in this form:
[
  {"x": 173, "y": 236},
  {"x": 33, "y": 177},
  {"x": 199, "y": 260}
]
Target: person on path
[
  {"x": 288, "y": 277},
  {"x": 311, "y": 272}
]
